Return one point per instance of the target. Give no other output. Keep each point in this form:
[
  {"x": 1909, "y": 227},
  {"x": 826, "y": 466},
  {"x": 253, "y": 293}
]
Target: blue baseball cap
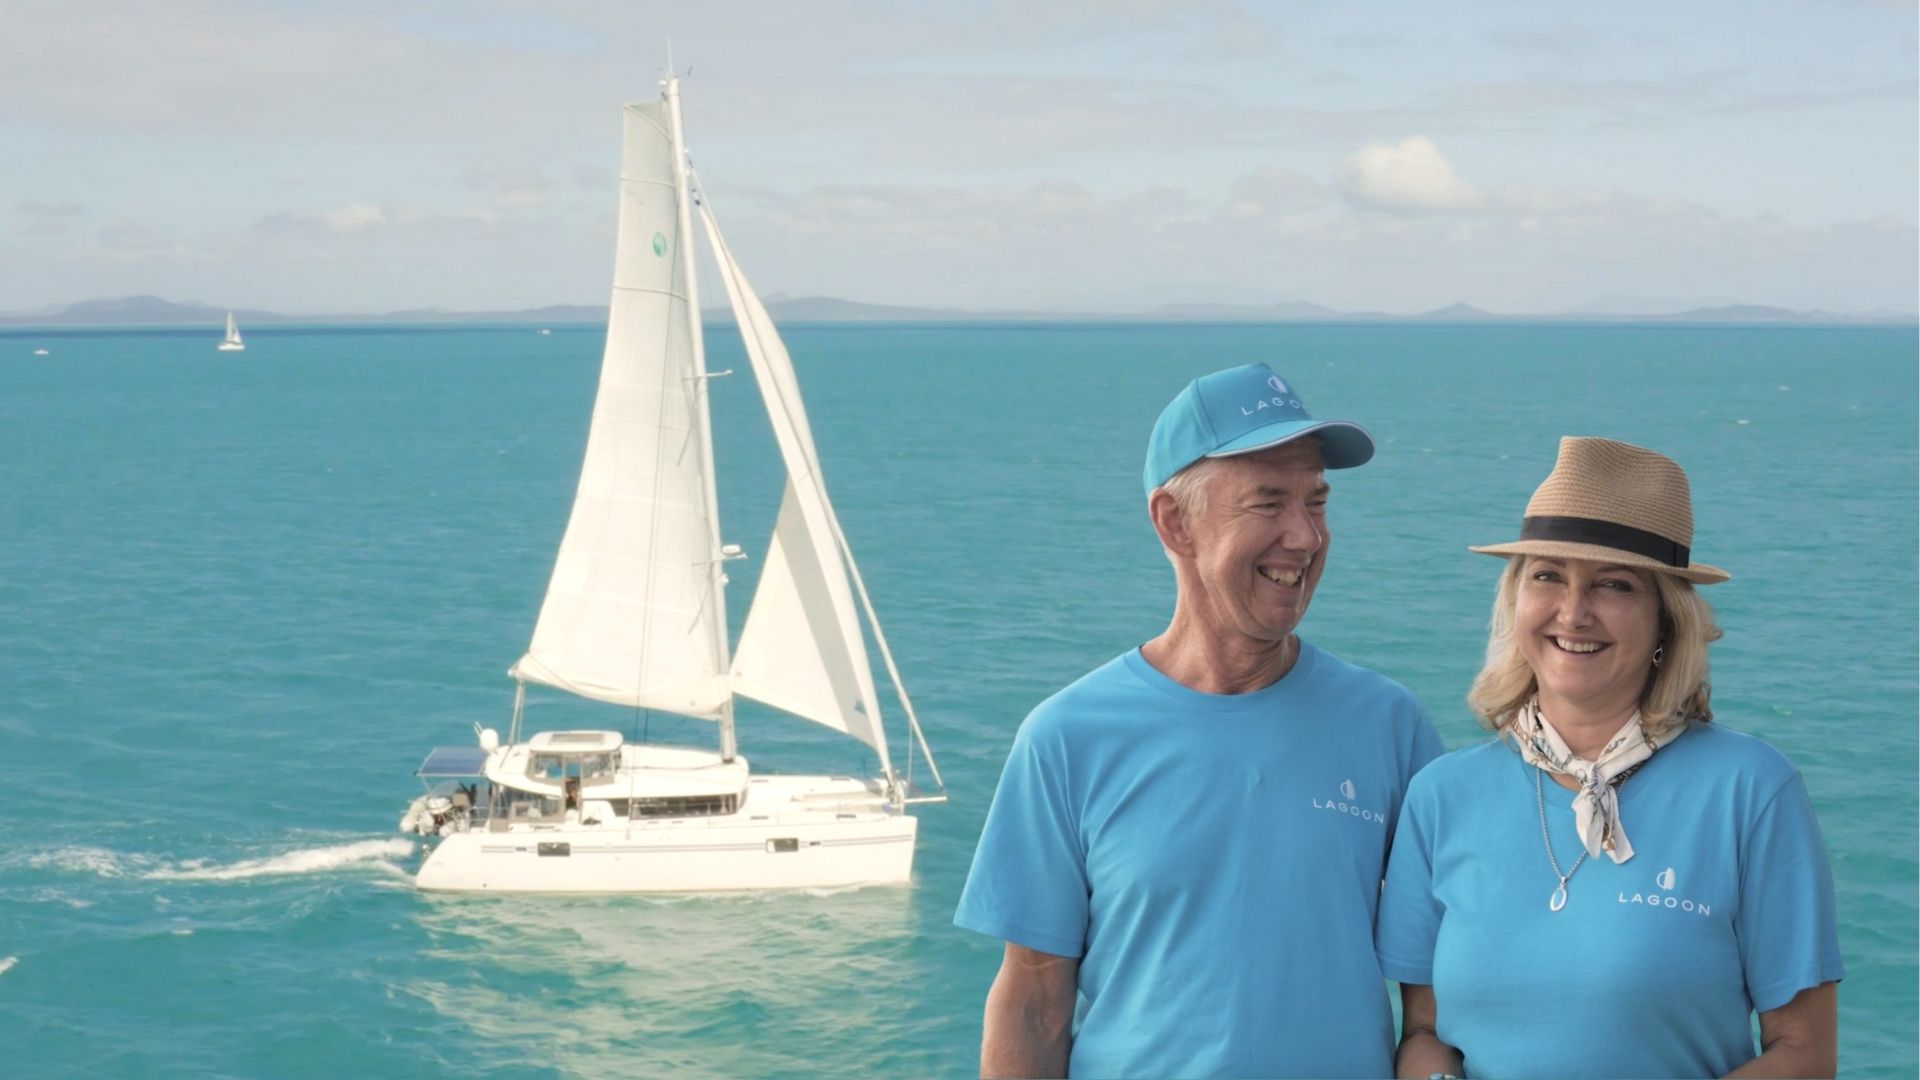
[{"x": 1238, "y": 411}]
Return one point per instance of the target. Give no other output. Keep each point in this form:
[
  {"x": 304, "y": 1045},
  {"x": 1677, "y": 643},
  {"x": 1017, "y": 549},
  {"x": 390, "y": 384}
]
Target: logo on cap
[
  {"x": 1346, "y": 788},
  {"x": 1665, "y": 879},
  {"x": 1279, "y": 385}
]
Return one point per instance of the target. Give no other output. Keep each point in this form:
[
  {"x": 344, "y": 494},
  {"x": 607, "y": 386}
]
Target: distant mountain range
[{"x": 155, "y": 311}]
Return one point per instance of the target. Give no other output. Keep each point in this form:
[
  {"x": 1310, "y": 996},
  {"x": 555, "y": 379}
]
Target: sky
[{"x": 365, "y": 155}]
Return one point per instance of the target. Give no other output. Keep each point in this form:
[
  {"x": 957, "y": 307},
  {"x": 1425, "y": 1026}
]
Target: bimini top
[
  {"x": 574, "y": 742},
  {"x": 454, "y": 761}
]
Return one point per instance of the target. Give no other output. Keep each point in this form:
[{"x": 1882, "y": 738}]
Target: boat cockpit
[{"x": 569, "y": 778}]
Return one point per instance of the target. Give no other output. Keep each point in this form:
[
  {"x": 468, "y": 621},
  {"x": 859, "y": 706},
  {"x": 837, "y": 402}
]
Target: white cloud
[
  {"x": 1409, "y": 176},
  {"x": 350, "y": 219}
]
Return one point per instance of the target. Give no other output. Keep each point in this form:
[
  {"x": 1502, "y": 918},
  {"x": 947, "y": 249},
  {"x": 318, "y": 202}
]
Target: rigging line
[
  {"x": 886, "y": 653},
  {"x": 668, "y": 293},
  {"x": 649, "y": 121}
]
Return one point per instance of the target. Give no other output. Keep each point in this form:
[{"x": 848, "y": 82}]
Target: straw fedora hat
[{"x": 1612, "y": 502}]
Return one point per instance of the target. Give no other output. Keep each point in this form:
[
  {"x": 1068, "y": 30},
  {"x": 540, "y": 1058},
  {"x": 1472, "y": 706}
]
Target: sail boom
[{"x": 698, "y": 702}]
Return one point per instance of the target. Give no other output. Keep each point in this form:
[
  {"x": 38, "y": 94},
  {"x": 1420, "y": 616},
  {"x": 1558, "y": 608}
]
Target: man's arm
[
  {"x": 1421, "y": 1052},
  {"x": 1799, "y": 1038},
  {"x": 1029, "y": 1022}
]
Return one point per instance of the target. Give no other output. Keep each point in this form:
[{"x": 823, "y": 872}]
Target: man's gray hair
[{"x": 1189, "y": 486}]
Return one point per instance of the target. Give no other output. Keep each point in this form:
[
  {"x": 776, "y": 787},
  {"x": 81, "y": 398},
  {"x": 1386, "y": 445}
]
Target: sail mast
[{"x": 717, "y": 592}]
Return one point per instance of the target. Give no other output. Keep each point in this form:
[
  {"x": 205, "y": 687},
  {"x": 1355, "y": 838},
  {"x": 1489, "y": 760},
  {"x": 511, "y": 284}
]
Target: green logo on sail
[{"x": 659, "y": 244}]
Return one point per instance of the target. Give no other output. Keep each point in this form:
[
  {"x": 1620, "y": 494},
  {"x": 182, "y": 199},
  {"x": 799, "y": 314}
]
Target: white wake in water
[
  {"x": 373, "y": 854},
  {"x": 75, "y": 860},
  {"x": 7, "y": 962}
]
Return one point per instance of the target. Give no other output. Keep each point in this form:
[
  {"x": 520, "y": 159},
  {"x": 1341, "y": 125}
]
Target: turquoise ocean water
[{"x": 240, "y": 596}]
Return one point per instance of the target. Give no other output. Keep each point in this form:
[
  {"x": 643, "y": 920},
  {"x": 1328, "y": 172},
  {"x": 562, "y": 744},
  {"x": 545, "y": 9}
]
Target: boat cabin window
[
  {"x": 678, "y": 806},
  {"x": 557, "y": 767},
  {"x": 527, "y": 806}
]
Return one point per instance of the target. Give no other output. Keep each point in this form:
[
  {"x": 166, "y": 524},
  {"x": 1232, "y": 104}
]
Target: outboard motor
[{"x": 434, "y": 815}]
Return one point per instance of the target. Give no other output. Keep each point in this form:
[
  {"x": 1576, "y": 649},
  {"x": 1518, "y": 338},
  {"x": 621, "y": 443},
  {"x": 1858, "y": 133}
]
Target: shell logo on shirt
[
  {"x": 1666, "y": 880},
  {"x": 1348, "y": 804}
]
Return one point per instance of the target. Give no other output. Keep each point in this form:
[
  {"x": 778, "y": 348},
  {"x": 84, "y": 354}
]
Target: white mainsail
[
  {"x": 232, "y": 341},
  {"x": 802, "y": 649},
  {"x": 633, "y": 613}
]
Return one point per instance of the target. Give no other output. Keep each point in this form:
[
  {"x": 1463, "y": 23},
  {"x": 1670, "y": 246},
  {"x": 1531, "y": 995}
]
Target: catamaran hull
[{"x": 877, "y": 850}]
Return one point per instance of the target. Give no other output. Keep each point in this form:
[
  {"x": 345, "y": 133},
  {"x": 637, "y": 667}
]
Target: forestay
[
  {"x": 802, "y": 649},
  {"x": 632, "y": 613}
]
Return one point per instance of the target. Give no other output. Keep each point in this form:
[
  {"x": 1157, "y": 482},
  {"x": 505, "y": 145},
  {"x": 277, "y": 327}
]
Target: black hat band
[{"x": 1576, "y": 530}]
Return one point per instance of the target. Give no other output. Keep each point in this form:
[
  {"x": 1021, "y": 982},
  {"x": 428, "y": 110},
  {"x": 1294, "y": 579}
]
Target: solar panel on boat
[{"x": 454, "y": 761}]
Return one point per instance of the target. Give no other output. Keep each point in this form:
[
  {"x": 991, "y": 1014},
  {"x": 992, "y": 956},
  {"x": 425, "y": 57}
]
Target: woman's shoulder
[
  {"x": 1728, "y": 747},
  {"x": 1752, "y": 764},
  {"x": 1466, "y": 766}
]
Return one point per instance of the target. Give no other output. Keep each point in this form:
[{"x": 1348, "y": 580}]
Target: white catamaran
[{"x": 635, "y": 616}]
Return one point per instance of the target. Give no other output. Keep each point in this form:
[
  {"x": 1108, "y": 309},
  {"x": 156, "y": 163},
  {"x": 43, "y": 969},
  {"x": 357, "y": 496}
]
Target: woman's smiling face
[{"x": 1588, "y": 629}]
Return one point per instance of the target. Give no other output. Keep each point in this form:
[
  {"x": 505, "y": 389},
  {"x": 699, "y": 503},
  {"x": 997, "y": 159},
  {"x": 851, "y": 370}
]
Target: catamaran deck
[{"x": 788, "y": 832}]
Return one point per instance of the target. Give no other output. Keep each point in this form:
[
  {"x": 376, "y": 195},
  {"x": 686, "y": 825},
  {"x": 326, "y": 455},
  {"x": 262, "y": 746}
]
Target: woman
[{"x": 1617, "y": 884}]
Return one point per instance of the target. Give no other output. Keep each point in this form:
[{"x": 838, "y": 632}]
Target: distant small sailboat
[
  {"x": 232, "y": 342},
  {"x": 543, "y": 330},
  {"x": 39, "y": 352}
]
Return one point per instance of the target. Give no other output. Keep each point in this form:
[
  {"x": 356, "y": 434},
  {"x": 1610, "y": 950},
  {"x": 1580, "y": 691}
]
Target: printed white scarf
[{"x": 1596, "y": 806}]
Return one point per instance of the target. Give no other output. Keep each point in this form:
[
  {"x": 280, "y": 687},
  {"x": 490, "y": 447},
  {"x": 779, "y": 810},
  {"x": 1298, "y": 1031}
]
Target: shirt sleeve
[
  {"x": 1426, "y": 744},
  {"x": 1786, "y": 925},
  {"x": 1028, "y": 884},
  {"x": 1416, "y": 755},
  {"x": 1409, "y": 919}
]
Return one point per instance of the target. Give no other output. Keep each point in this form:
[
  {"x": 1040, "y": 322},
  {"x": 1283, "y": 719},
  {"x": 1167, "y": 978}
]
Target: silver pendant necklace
[{"x": 1559, "y": 898}]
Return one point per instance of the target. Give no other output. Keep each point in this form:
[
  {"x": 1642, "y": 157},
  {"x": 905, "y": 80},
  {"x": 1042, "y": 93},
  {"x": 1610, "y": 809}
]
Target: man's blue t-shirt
[
  {"x": 1655, "y": 965},
  {"x": 1215, "y": 862}
]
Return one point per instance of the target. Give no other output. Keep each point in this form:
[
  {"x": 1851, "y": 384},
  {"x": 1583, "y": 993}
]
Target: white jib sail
[
  {"x": 233, "y": 331},
  {"x": 802, "y": 649},
  {"x": 632, "y": 612}
]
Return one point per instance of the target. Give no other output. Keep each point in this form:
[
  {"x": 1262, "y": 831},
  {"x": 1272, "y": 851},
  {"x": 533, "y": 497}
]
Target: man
[{"x": 1185, "y": 851}]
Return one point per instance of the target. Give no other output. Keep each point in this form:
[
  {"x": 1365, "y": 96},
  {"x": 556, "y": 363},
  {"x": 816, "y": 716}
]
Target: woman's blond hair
[{"x": 1677, "y": 692}]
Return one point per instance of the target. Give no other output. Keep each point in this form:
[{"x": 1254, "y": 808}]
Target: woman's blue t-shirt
[{"x": 1655, "y": 966}]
